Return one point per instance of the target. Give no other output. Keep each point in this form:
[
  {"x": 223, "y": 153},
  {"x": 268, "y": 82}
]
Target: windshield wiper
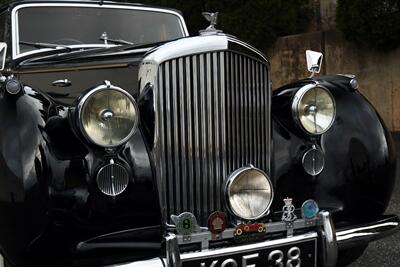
[
  {"x": 105, "y": 38},
  {"x": 45, "y": 45}
]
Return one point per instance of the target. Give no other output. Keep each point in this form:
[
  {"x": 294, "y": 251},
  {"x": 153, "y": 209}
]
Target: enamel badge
[
  {"x": 185, "y": 223},
  {"x": 217, "y": 222},
  {"x": 309, "y": 209},
  {"x": 288, "y": 215}
]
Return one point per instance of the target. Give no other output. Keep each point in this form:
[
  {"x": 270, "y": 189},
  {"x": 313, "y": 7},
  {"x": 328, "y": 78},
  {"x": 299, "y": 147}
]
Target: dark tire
[{"x": 348, "y": 256}]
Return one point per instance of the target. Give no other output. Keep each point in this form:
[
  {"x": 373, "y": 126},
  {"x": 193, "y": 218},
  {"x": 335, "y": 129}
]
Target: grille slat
[
  {"x": 214, "y": 118},
  {"x": 189, "y": 114},
  {"x": 169, "y": 152}
]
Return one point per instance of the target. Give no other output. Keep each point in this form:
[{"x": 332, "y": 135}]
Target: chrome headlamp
[
  {"x": 249, "y": 193},
  {"x": 108, "y": 115},
  {"x": 314, "y": 109}
]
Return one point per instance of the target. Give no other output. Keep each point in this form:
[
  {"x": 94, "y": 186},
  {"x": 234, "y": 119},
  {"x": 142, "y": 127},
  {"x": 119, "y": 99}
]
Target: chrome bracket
[
  {"x": 173, "y": 254},
  {"x": 328, "y": 237},
  {"x": 289, "y": 229}
]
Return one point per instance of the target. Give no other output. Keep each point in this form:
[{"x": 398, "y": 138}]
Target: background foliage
[
  {"x": 258, "y": 22},
  {"x": 370, "y": 22}
]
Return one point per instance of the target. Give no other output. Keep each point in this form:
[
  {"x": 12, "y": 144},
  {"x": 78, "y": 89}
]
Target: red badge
[{"x": 217, "y": 222}]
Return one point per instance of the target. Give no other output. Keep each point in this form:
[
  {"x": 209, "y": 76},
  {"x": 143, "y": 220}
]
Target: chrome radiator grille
[{"x": 212, "y": 117}]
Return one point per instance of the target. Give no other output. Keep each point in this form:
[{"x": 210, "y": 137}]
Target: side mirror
[
  {"x": 3, "y": 52},
  {"x": 314, "y": 61}
]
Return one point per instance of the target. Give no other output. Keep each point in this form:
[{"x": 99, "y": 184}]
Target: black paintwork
[
  {"x": 49, "y": 205},
  {"x": 358, "y": 177}
]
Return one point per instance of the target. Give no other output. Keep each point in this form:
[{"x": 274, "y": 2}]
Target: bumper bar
[
  {"x": 365, "y": 233},
  {"x": 331, "y": 242}
]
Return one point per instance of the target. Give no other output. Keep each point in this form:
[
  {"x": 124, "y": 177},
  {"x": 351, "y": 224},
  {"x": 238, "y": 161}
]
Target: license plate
[{"x": 302, "y": 253}]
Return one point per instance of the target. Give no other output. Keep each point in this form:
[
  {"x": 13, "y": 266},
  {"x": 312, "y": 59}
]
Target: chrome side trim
[
  {"x": 14, "y": 18},
  {"x": 328, "y": 240}
]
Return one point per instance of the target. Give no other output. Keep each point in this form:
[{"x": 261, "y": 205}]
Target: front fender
[
  {"x": 359, "y": 172},
  {"x": 23, "y": 191}
]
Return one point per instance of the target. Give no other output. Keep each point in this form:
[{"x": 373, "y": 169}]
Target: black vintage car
[{"x": 125, "y": 142}]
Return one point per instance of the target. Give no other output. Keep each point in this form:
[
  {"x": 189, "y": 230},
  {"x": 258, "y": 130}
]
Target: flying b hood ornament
[{"x": 213, "y": 19}]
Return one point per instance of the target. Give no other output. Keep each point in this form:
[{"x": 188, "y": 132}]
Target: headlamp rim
[
  {"x": 297, "y": 100},
  {"x": 103, "y": 87},
  {"x": 228, "y": 184}
]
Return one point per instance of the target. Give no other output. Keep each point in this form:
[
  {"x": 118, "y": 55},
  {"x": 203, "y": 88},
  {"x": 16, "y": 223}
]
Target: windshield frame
[{"x": 15, "y": 31}]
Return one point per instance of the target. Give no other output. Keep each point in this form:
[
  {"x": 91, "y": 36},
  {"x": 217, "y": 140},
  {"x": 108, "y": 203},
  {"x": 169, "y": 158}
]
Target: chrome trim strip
[
  {"x": 259, "y": 118},
  {"x": 208, "y": 147},
  {"x": 168, "y": 152},
  {"x": 175, "y": 147},
  {"x": 183, "y": 136},
  {"x": 14, "y": 18},
  {"x": 222, "y": 145},
  {"x": 197, "y": 124},
  {"x": 203, "y": 194},
  {"x": 186, "y": 47},
  {"x": 160, "y": 146},
  {"x": 191, "y": 153},
  {"x": 234, "y": 40},
  {"x": 245, "y": 248}
]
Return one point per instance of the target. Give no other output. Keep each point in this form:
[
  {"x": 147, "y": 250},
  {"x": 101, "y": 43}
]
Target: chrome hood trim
[
  {"x": 192, "y": 46},
  {"x": 197, "y": 45}
]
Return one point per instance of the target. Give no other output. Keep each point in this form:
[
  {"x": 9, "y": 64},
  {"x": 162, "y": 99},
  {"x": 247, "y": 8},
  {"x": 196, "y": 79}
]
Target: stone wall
[{"x": 378, "y": 73}]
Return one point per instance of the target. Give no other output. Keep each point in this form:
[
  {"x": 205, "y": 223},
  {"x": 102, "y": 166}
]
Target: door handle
[{"x": 62, "y": 83}]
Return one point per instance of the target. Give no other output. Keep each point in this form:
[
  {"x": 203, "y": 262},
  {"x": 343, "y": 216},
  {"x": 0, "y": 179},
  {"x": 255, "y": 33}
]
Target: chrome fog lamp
[
  {"x": 314, "y": 108},
  {"x": 108, "y": 116},
  {"x": 249, "y": 193}
]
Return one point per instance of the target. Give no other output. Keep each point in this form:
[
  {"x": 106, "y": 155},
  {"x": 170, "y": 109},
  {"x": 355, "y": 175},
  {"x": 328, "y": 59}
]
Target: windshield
[{"x": 41, "y": 27}]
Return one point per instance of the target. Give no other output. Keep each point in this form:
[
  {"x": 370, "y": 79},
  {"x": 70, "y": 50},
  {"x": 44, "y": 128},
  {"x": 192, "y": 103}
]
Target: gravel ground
[{"x": 385, "y": 252}]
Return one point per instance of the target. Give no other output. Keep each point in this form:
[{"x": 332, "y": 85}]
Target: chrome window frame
[{"x": 15, "y": 31}]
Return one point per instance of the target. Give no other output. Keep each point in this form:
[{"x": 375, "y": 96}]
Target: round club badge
[
  {"x": 309, "y": 209},
  {"x": 217, "y": 222},
  {"x": 185, "y": 223}
]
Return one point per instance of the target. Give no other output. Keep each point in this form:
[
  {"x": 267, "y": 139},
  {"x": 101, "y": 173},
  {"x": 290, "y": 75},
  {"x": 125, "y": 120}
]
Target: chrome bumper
[{"x": 330, "y": 241}]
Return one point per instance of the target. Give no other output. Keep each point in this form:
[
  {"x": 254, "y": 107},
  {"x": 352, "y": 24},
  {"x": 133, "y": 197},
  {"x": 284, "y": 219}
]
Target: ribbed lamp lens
[
  {"x": 109, "y": 117},
  {"x": 316, "y": 110},
  {"x": 250, "y": 194}
]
